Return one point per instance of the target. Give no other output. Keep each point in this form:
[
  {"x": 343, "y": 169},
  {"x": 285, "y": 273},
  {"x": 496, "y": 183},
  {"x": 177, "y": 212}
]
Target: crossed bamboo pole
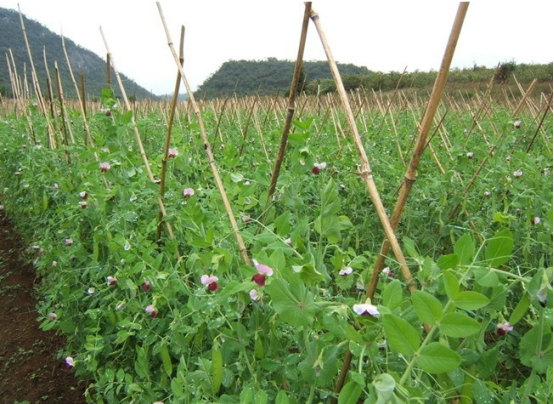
[
  {"x": 291, "y": 104},
  {"x": 410, "y": 176},
  {"x": 207, "y": 146},
  {"x": 137, "y": 136}
]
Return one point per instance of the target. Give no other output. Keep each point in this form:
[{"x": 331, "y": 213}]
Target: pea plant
[{"x": 185, "y": 319}]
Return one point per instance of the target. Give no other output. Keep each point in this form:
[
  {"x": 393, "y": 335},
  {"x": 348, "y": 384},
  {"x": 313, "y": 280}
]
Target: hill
[
  {"x": 266, "y": 77},
  {"x": 273, "y": 77},
  {"x": 40, "y": 37}
]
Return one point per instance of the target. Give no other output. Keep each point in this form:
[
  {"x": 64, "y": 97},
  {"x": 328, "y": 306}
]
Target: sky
[{"x": 380, "y": 35}]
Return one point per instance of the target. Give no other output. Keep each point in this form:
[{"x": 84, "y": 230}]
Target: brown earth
[{"x": 30, "y": 372}]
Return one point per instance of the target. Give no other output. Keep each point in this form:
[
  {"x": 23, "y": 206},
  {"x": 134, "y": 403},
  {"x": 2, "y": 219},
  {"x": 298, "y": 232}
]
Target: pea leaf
[
  {"x": 465, "y": 249},
  {"x": 499, "y": 248},
  {"x": 350, "y": 393},
  {"x": 401, "y": 335},
  {"x": 469, "y": 300},
  {"x": 458, "y": 325},
  {"x": 428, "y": 308},
  {"x": 292, "y": 302},
  {"x": 437, "y": 358}
]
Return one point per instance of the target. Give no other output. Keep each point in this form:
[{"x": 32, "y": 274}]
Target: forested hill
[
  {"x": 266, "y": 77},
  {"x": 40, "y": 37},
  {"x": 273, "y": 77}
]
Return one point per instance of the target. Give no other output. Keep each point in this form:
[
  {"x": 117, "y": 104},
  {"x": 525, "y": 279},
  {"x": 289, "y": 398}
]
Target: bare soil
[{"x": 30, "y": 372}]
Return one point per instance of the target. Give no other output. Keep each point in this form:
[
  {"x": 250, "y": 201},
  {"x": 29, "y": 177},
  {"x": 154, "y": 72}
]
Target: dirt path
[{"x": 30, "y": 373}]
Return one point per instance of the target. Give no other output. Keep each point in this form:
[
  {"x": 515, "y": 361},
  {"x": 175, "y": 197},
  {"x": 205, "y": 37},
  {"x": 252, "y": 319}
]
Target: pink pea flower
[
  {"x": 518, "y": 173},
  {"x": 366, "y": 309},
  {"x": 387, "y": 271},
  {"x": 503, "y": 328},
  {"x": 254, "y": 295},
  {"x": 55, "y": 187},
  {"x": 259, "y": 279},
  {"x": 111, "y": 280},
  {"x": 316, "y": 169},
  {"x": 150, "y": 309},
  {"x": 69, "y": 363},
  {"x": 188, "y": 192},
  {"x": 517, "y": 124},
  {"x": 345, "y": 271},
  {"x": 68, "y": 242},
  {"x": 172, "y": 153},
  {"x": 246, "y": 219},
  {"x": 536, "y": 220},
  {"x": 263, "y": 269},
  {"x": 105, "y": 166},
  {"x": 52, "y": 316},
  {"x": 210, "y": 281}
]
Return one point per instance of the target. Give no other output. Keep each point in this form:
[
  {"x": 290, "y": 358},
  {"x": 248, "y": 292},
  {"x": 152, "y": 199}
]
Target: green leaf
[
  {"x": 282, "y": 224},
  {"x": 486, "y": 366},
  {"x": 281, "y": 398},
  {"x": 401, "y": 335},
  {"x": 246, "y": 395},
  {"x": 520, "y": 309},
  {"x": 499, "y": 248},
  {"x": 486, "y": 277},
  {"x": 448, "y": 261},
  {"x": 237, "y": 177},
  {"x": 328, "y": 226},
  {"x": 350, "y": 393},
  {"x": 330, "y": 202},
  {"x": 428, "y": 308},
  {"x": 384, "y": 386},
  {"x": 217, "y": 369},
  {"x": 458, "y": 325},
  {"x": 470, "y": 300},
  {"x": 166, "y": 359},
  {"x": 292, "y": 302},
  {"x": 481, "y": 392},
  {"x": 308, "y": 273},
  {"x": 451, "y": 284},
  {"x": 465, "y": 249},
  {"x": 437, "y": 358},
  {"x": 535, "y": 349},
  {"x": 392, "y": 295},
  {"x": 260, "y": 397},
  {"x": 410, "y": 248}
]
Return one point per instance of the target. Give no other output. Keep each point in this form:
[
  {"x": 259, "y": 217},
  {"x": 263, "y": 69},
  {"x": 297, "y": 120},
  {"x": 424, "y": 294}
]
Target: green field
[{"x": 261, "y": 301}]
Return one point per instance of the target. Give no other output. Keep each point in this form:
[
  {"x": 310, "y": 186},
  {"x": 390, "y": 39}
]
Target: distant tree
[{"x": 503, "y": 72}]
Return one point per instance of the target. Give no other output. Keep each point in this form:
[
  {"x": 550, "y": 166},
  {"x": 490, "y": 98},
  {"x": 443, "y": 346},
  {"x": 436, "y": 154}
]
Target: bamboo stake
[
  {"x": 246, "y": 125},
  {"x": 546, "y": 110},
  {"x": 137, "y": 136},
  {"x": 49, "y": 87},
  {"x": 62, "y": 109},
  {"x": 291, "y": 105},
  {"x": 170, "y": 127},
  {"x": 36, "y": 84},
  {"x": 410, "y": 176},
  {"x": 88, "y": 136},
  {"x": 207, "y": 147},
  {"x": 365, "y": 170}
]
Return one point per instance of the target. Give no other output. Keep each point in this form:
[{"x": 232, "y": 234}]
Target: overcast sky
[{"x": 383, "y": 36}]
